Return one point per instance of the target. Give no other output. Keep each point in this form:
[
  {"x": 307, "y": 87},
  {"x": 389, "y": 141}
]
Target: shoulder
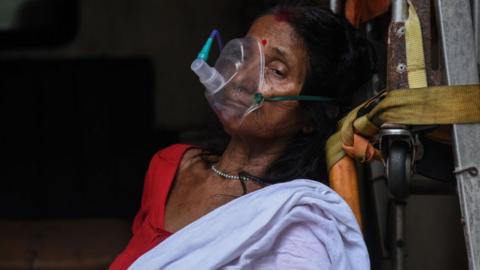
[
  {"x": 297, "y": 246},
  {"x": 317, "y": 228},
  {"x": 313, "y": 196},
  {"x": 304, "y": 244},
  {"x": 321, "y": 221},
  {"x": 170, "y": 156},
  {"x": 174, "y": 151},
  {"x": 176, "y": 155}
]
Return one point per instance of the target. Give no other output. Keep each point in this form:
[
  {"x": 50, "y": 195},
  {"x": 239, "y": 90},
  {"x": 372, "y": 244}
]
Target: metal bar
[
  {"x": 381, "y": 196},
  {"x": 337, "y": 6},
  {"x": 458, "y": 46},
  {"x": 456, "y": 32},
  {"x": 397, "y": 78},
  {"x": 399, "y": 246},
  {"x": 399, "y": 10},
  {"x": 476, "y": 27},
  {"x": 396, "y": 53},
  {"x": 424, "y": 186}
]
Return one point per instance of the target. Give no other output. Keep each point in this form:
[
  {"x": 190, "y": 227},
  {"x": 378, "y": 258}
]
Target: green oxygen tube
[
  {"x": 208, "y": 76},
  {"x": 259, "y": 98},
  {"x": 213, "y": 80},
  {"x": 204, "y": 53}
]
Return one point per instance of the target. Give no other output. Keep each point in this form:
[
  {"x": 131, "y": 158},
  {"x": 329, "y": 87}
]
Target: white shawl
[{"x": 300, "y": 224}]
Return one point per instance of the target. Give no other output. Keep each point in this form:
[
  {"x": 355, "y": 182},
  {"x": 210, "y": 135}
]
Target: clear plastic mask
[
  {"x": 233, "y": 84},
  {"x": 235, "y": 79},
  {"x": 241, "y": 65}
]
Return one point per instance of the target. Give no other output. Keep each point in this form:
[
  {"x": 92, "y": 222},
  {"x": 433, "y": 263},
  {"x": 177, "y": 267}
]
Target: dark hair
[{"x": 340, "y": 62}]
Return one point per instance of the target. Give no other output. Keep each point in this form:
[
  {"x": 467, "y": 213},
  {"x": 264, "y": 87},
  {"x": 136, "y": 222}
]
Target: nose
[{"x": 265, "y": 89}]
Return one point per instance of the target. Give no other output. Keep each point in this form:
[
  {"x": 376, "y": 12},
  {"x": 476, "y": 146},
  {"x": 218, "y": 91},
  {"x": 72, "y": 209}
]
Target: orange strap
[
  {"x": 362, "y": 149},
  {"x": 359, "y": 11},
  {"x": 344, "y": 180}
]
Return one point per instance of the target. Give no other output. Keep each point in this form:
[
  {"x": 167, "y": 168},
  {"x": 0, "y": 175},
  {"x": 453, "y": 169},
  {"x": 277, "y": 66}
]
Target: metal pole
[
  {"x": 398, "y": 248},
  {"x": 336, "y": 6},
  {"x": 454, "y": 21},
  {"x": 399, "y": 10},
  {"x": 476, "y": 27},
  {"x": 396, "y": 52}
]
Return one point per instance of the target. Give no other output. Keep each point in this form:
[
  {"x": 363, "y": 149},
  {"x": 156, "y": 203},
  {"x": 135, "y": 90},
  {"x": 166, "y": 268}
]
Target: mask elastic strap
[{"x": 259, "y": 98}]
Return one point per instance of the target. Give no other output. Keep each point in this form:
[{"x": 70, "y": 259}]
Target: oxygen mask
[{"x": 233, "y": 84}]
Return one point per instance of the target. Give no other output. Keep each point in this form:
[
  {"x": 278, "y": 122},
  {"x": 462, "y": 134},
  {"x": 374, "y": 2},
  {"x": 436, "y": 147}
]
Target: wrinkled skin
[
  {"x": 285, "y": 71},
  {"x": 260, "y": 139}
]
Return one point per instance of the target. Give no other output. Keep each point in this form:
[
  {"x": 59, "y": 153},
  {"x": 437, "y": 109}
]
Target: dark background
[{"x": 89, "y": 91}]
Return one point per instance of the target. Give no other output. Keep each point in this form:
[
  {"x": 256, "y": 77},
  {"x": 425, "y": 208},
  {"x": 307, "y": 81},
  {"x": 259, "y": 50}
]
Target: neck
[{"x": 251, "y": 156}]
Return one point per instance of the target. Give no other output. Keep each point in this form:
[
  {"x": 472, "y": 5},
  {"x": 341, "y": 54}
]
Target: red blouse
[{"x": 147, "y": 226}]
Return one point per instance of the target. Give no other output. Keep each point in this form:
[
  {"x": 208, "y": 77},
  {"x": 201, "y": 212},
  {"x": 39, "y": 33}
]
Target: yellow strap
[
  {"x": 423, "y": 106},
  {"x": 417, "y": 75}
]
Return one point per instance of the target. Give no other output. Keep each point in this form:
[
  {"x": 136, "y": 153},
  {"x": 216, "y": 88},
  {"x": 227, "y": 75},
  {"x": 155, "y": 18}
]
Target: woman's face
[{"x": 285, "y": 71}]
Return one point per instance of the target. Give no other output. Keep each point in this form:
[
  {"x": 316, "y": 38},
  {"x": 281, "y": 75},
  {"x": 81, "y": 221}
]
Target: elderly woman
[{"x": 251, "y": 206}]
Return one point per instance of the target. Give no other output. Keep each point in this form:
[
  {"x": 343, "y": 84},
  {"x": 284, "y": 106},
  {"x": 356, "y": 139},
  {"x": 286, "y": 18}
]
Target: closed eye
[
  {"x": 279, "y": 75},
  {"x": 277, "y": 69}
]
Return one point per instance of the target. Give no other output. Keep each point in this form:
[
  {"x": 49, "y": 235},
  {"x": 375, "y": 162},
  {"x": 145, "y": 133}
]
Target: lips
[
  {"x": 232, "y": 100},
  {"x": 230, "y": 104}
]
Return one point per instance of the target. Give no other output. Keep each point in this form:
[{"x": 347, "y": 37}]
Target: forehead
[{"x": 277, "y": 33}]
